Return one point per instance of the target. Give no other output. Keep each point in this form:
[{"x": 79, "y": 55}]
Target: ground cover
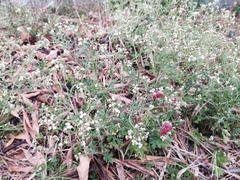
[{"x": 136, "y": 90}]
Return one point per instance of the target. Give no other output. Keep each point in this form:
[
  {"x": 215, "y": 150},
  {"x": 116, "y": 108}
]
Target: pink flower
[
  {"x": 166, "y": 128},
  {"x": 108, "y": 20},
  {"x": 157, "y": 94}
]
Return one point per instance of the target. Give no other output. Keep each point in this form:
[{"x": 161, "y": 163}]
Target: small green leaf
[
  {"x": 218, "y": 171},
  {"x": 108, "y": 158}
]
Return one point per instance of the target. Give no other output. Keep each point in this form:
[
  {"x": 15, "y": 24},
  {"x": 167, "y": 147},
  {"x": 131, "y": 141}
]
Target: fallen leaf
[
  {"x": 19, "y": 168},
  {"x": 83, "y": 167},
  {"x": 135, "y": 166},
  {"x": 103, "y": 172},
  {"x": 120, "y": 171},
  {"x": 32, "y": 94},
  {"x": 19, "y": 156},
  {"x": 57, "y": 89},
  {"x": 14, "y": 111},
  {"x": 27, "y": 125},
  {"x": 38, "y": 159},
  {"x": 40, "y": 55},
  {"x": 158, "y": 158},
  {"x": 52, "y": 145},
  {"x": 69, "y": 158},
  {"x": 24, "y": 48},
  {"x": 27, "y": 155},
  {"x": 120, "y": 85},
  {"x": 71, "y": 174},
  {"x": 26, "y": 101},
  {"x": 52, "y": 55},
  {"x": 101, "y": 57},
  {"x": 34, "y": 115},
  {"x": 24, "y": 36},
  {"x": 23, "y": 136},
  {"x": 120, "y": 98}
]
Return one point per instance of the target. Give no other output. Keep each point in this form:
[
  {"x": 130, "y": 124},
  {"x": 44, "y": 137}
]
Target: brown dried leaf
[
  {"x": 23, "y": 136},
  {"x": 36, "y": 160},
  {"x": 40, "y": 55},
  {"x": 32, "y": 94},
  {"x": 121, "y": 98},
  {"x": 52, "y": 55},
  {"x": 120, "y": 85},
  {"x": 45, "y": 98},
  {"x": 34, "y": 115},
  {"x": 121, "y": 173},
  {"x": 30, "y": 68},
  {"x": 26, "y": 47},
  {"x": 103, "y": 172},
  {"x": 27, "y": 125},
  {"x": 27, "y": 155},
  {"x": 18, "y": 71},
  {"x": 83, "y": 167},
  {"x": 69, "y": 158},
  {"x": 24, "y": 36},
  {"x": 26, "y": 101},
  {"x": 51, "y": 145},
  {"x": 198, "y": 108},
  {"x": 157, "y": 158},
  {"x": 101, "y": 57},
  {"x": 135, "y": 166},
  {"x": 70, "y": 174},
  {"x": 18, "y": 168},
  {"x": 57, "y": 89},
  {"x": 147, "y": 73},
  {"x": 14, "y": 112}
]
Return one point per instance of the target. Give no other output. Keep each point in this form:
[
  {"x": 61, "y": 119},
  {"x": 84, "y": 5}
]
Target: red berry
[{"x": 166, "y": 127}]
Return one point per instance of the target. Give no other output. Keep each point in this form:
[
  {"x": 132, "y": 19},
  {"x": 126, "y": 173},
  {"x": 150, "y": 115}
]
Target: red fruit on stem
[{"x": 166, "y": 127}]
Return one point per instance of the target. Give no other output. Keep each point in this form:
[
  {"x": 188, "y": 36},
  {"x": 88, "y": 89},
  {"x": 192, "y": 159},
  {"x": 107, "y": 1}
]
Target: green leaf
[
  {"x": 108, "y": 158},
  {"x": 218, "y": 171},
  {"x": 221, "y": 158}
]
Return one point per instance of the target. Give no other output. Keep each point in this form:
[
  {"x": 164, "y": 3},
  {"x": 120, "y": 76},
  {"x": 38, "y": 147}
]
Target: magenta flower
[
  {"x": 166, "y": 128},
  {"x": 108, "y": 20},
  {"x": 157, "y": 94}
]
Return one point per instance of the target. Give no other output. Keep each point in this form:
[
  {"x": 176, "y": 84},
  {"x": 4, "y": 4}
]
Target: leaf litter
[{"x": 20, "y": 158}]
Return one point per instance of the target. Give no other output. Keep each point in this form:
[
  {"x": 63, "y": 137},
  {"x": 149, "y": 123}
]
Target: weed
[{"x": 150, "y": 78}]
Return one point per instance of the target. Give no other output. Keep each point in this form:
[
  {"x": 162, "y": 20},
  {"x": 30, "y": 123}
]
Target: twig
[
  {"x": 13, "y": 146},
  {"x": 233, "y": 173},
  {"x": 165, "y": 166},
  {"x": 180, "y": 173}
]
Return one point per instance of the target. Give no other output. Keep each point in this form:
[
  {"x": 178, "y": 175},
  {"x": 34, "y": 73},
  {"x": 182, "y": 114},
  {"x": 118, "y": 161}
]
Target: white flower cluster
[
  {"x": 135, "y": 88},
  {"x": 48, "y": 119},
  {"x": 175, "y": 101},
  {"x": 84, "y": 126},
  {"x": 145, "y": 79},
  {"x": 115, "y": 106},
  {"x": 57, "y": 64},
  {"x": 138, "y": 134},
  {"x": 78, "y": 72}
]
